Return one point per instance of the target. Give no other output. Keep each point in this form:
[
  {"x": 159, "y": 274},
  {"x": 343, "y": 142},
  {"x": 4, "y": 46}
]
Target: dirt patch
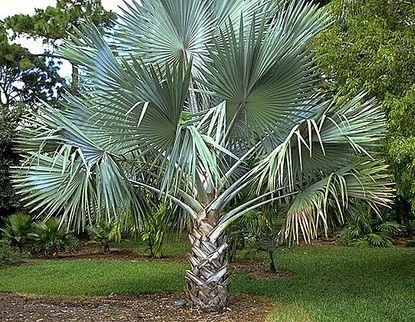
[
  {"x": 115, "y": 253},
  {"x": 258, "y": 269},
  {"x": 155, "y": 307}
]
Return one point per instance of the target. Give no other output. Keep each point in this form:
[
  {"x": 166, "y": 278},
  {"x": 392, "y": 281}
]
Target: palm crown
[{"x": 200, "y": 102}]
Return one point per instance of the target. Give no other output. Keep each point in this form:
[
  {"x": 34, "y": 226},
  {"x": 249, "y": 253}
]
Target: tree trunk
[
  {"x": 207, "y": 281},
  {"x": 272, "y": 265},
  {"x": 75, "y": 79}
]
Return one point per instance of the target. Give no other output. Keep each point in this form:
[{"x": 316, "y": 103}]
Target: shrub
[
  {"x": 8, "y": 257},
  {"x": 263, "y": 232},
  {"x": 260, "y": 231},
  {"x": 17, "y": 230},
  {"x": 50, "y": 238},
  {"x": 365, "y": 229},
  {"x": 410, "y": 243},
  {"x": 101, "y": 234}
]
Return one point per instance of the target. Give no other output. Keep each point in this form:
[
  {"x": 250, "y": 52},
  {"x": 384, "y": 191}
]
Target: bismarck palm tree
[{"x": 201, "y": 102}]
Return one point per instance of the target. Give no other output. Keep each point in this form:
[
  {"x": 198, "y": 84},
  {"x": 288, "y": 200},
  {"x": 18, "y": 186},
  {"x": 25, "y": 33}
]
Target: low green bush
[
  {"x": 410, "y": 243},
  {"x": 101, "y": 234},
  {"x": 367, "y": 229},
  {"x": 8, "y": 257},
  {"x": 259, "y": 231},
  {"x": 50, "y": 238},
  {"x": 16, "y": 231}
]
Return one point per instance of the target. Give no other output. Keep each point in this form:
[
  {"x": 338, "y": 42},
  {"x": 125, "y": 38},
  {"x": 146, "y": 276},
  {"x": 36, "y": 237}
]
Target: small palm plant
[
  {"x": 153, "y": 230},
  {"x": 101, "y": 234},
  {"x": 366, "y": 229},
  {"x": 17, "y": 229},
  {"x": 199, "y": 102},
  {"x": 50, "y": 238},
  {"x": 262, "y": 229}
]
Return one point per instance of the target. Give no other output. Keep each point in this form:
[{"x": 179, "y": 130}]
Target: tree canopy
[
  {"x": 371, "y": 46},
  {"x": 24, "y": 79},
  {"x": 55, "y": 22}
]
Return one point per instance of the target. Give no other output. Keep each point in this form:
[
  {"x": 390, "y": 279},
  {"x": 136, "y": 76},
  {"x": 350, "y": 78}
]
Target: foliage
[
  {"x": 263, "y": 232},
  {"x": 8, "y": 199},
  {"x": 153, "y": 230},
  {"x": 9, "y": 258},
  {"x": 50, "y": 237},
  {"x": 101, "y": 234},
  {"x": 410, "y": 243},
  {"x": 259, "y": 231},
  {"x": 54, "y": 22},
  {"x": 110, "y": 172},
  {"x": 370, "y": 46},
  {"x": 17, "y": 229},
  {"x": 331, "y": 283},
  {"x": 364, "y": 230},
  {"x": 24, "y": 78},
  {"x": 236, "y": 238},
  {"x": 321, "y": 3}
]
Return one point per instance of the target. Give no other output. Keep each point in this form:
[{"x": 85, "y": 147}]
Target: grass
[
  {"x": 176, "y": 245},
  {"x": 332, "y": 283},
  {"x": 92, "y": 277}
]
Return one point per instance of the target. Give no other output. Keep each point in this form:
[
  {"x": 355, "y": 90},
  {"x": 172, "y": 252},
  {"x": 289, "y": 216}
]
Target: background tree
[
  {"x": 371, "y": 46},
  {"x": 24, "y": 78},
  {"x": 55, "y": 23},
  {"x": 201, "y": 101}
]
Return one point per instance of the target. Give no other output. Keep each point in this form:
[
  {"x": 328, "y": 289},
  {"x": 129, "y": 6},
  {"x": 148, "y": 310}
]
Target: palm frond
[
  {"x": 366, "y": 181},
  {"x": 263, "y": 71},
  {"x": 337, "y": 134}
]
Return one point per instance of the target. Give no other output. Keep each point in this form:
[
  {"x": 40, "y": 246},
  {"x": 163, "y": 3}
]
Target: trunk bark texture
[
  {"x": 75, "y": 79},
  {"x": 207, "y": 281}
]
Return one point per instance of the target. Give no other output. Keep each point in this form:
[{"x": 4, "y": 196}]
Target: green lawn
[
  {"x": 175, "y": 245},
  {"x": 332, "y": 283}
]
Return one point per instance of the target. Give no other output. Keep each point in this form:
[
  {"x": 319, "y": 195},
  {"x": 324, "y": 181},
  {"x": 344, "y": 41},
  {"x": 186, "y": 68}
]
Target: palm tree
[{"x": 200, "y": 102}]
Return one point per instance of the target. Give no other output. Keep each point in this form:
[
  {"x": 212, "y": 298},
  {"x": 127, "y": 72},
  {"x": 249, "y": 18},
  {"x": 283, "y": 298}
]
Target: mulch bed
[
  {"x": 154, "y": 307},
  {"x": 115, "y": 253},
  {"x": 258, "y": 269}
]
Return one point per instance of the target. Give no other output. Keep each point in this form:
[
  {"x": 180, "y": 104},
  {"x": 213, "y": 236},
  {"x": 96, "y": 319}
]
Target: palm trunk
[{"x": 207, "y": 281}]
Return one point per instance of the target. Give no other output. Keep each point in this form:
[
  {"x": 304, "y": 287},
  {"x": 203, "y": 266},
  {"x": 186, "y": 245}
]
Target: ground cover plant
[
  {"x": 47, "y": 237},
  {"x": 200, "y": 102},
  {"x": 8, "y": 257}
]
